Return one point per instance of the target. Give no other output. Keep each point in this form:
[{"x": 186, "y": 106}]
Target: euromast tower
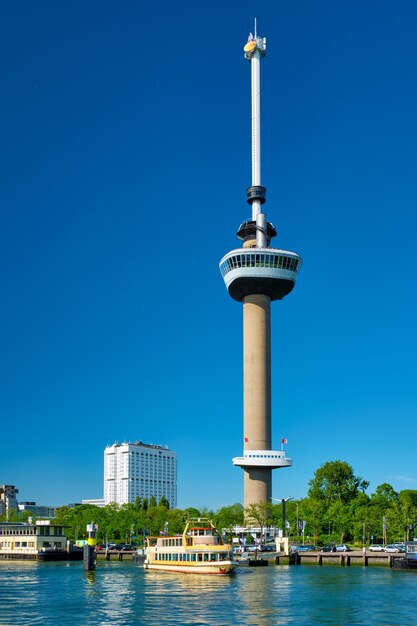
[{"x": 257, "y": 274}]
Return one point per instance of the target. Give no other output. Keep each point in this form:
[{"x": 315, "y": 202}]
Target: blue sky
[{"x": 125, "y": 134}]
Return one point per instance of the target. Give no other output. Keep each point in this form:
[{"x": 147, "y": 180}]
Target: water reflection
[
  {"x": 207, "y": 597},
  {"x": 90, "y": 577},
  {"x": 118, "y": 595},
  {"x": 123, "y": 594},
  {"x": 264, "y": 597}
]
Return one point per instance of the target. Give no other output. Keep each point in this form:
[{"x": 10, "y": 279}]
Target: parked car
[
  {"x": 390, "y": 547},
  {"x": 376, "y": 547},
  {"x": 254, "y": 548},
  {"x": 343, "y": 547},
  {"x": 330, "y": 547},
  {"x": 307, "y": 548}
]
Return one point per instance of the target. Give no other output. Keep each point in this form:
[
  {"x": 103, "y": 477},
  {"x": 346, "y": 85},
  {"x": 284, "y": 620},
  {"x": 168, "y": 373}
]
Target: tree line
[{"x": 336, "y": 508}]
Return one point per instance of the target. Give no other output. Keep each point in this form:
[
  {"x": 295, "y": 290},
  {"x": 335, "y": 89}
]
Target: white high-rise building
[{"x": 133, "y": 470}]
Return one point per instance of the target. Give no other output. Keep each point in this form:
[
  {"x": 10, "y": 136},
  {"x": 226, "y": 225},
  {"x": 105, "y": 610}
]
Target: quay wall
[{"x": 343, "y": 559}]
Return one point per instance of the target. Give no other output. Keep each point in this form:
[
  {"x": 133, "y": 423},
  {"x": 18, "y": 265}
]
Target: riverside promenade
[{"x": 343, "y": 559}]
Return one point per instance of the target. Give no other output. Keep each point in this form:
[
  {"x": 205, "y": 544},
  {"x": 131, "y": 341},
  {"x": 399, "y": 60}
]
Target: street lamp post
[
  {"x": 284, "y": 513},
  {"x": 298, "y": 529}
]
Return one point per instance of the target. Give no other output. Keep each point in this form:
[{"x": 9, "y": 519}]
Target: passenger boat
[{"x": 199, "y": 550}]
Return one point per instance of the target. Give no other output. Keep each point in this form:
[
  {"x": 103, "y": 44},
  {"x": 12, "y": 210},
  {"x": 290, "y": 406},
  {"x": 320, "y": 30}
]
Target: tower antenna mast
[{"x": 254, "y": 50}]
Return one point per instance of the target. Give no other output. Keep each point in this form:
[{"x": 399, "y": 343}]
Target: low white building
[
  {"x": 95, "y": 502},
  {"x": 26, "y": 539},
  {"x": 139, "y": 470}
]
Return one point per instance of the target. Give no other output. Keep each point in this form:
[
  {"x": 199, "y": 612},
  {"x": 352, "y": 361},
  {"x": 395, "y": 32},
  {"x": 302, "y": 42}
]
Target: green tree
[
  {"x": 407, "y": 505},
  {"x": 191, "y": 512},
  {"x": 335, "y": 481},
  {"x": 340, "y": 516},
  {"x": 313, "y": 511},
  {"x": 383, "y": 504},
  {"x": 259, "y": 514},
  {"x": 164, "y": 502},
  {"x": 25, "y": 515},
  {"x": 229, "y": 516},
  {"x": 384, "y": 496},
  {"x": 360, "y": 515}
]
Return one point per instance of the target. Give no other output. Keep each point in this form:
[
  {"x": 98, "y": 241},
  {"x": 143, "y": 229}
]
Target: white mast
[{"x": 255, "y": 49}]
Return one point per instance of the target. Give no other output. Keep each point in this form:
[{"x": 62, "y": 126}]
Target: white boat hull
[{"x": 219, "y": 569}]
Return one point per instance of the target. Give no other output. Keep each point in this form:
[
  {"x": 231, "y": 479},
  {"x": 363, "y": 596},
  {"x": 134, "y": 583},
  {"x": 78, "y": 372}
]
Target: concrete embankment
[
  {"x": 355, "y": 557},
  {"x": 115, "y": 555}
]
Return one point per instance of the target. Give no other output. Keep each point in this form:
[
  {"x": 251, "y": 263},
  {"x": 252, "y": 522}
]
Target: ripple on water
[{"x": 122, "y": 594}]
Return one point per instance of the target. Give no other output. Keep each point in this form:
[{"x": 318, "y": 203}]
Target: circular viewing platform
[
  {"x": 262, "y": 458},
  {"x": 267, "y": 271}
]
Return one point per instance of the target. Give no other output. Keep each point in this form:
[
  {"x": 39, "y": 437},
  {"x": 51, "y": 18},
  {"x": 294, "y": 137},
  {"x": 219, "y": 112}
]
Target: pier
[
  {"x": 342, "y": 559},
  {"x": 115, "y": 555}
]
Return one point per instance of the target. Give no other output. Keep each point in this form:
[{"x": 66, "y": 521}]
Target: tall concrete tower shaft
[
  {"x": 257, "y": 274},
  {"x": 257, "y": 393}
]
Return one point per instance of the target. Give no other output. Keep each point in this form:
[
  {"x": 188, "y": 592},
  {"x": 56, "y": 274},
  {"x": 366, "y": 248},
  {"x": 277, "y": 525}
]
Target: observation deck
[
  {"x": 268, "y": 271},
  {"x": 262, "y": 458}
]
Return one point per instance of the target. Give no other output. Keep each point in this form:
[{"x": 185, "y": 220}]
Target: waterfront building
[
  {"x": 8, "y": 500},
  {"x": 27, "y": 539},
  {"x": 139, "y": 470},
  {"x": 256, "y": 275}
]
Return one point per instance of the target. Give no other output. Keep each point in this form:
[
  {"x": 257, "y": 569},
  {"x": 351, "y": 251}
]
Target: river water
[{"x": 123, "y": 594}]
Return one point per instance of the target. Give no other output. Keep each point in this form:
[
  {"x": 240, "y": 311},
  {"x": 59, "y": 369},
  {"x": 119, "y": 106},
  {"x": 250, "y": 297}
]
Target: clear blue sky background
[{"x": 125, "y": 155}]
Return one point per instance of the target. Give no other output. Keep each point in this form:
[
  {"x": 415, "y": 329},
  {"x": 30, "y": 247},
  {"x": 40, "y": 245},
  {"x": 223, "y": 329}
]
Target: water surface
[{"x": 121, "y": 594}]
